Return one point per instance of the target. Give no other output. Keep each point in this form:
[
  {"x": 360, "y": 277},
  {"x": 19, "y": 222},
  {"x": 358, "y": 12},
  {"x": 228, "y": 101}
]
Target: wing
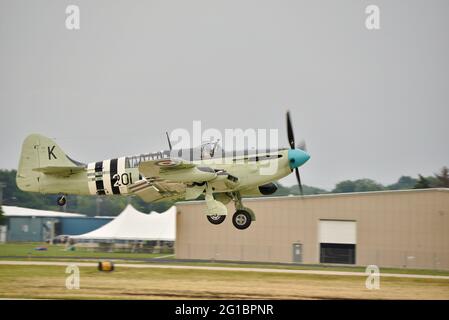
[
  {"x": 158, "y": 191},
  {"x": 167, "y": 179},
  {"x": 176, "y": 170}
]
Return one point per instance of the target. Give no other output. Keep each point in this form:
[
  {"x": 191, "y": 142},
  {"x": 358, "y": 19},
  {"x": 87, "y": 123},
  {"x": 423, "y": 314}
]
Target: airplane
[{"x": 169, "y": 175}]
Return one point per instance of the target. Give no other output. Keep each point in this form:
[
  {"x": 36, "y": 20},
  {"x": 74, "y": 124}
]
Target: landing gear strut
[
  {"x": 243, "y": 216},
  {"x": 216, "y": 219},
  {"x": 61, "y": 201},
  {"x": 216, "y": 211}
]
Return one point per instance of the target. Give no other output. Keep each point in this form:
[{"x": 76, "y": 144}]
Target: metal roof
[
  {"x": 12, "y": 211},
  {"x": 326, "y": 195}
]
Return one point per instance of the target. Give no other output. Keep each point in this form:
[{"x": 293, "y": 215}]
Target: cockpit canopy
[
  {"x": 207, "y": 150},
  {"x": 210, "y": 150}
]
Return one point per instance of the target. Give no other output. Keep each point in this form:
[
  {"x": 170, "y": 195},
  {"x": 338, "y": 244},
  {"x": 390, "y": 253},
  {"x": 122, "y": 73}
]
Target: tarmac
[{"x": 211, "y": 268}]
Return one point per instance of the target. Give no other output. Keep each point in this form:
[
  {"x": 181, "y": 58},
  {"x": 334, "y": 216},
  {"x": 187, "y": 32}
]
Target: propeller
[
  {"x": 301, "y": 146},
  {"x": 298, "y": 177},
  {"x": 169, "y": 142},
  {"x": 290, "y": 135}
]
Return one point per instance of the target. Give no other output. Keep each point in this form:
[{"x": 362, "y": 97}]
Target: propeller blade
[
  {"x": 302, "y": 145},
  {"x": 299, "y": 181},
  {"x": 290, "y": 135},
  {"x": 168, "y": 139}
]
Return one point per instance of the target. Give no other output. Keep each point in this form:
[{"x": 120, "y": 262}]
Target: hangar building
[
  {"x": 407, "y": 228},
  {"x": 25, "y": 224}
]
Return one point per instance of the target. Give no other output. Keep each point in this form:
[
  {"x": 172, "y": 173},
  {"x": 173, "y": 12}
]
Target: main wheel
[
  {"x": 216, "y": 219},
  {"x": 61, "y": 201},
  {"x": 241, "y": 219}
]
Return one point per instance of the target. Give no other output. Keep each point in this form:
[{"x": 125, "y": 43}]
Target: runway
[{"x": 230, "y": 269}]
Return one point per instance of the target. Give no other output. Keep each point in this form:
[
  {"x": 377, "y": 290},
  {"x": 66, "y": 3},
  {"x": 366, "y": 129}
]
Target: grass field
[
  {"x": 33, "y": 281},
  {"x": 127, "y": 283},
  {"x": 27, "y": 250}
]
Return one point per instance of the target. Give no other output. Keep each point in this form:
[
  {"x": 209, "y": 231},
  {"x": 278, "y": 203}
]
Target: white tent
[
  {"x": 134, "y": 225},
  {"x": 11, "y": 211}
]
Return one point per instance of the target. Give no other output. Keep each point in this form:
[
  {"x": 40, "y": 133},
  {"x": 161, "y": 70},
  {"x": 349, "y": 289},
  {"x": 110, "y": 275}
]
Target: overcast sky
[{"x": 369, "y": 104}]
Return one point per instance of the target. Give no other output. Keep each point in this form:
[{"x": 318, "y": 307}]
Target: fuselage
[{"x": 115, "y": 176}]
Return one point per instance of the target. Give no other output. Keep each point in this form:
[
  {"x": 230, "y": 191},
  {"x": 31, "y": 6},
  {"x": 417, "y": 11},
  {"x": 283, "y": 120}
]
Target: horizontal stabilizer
[{"x": 59, "y": 170}]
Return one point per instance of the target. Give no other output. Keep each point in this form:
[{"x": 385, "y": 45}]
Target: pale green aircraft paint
[{"x": 160, "y": 176}]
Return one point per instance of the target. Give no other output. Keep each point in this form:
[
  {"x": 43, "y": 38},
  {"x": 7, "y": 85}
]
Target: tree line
[
  {"x": 438, "y": 180},
  {"x": 89, "y": 205},
  {"x": 112, "y": 206}
]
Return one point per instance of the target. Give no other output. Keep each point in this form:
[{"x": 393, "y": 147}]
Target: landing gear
[
  {"x": 216, "y": 210},
  {"x": 243, "y": 216},
  {"x": 241, "y": 219},
  {"x": 216, "y": 219},
  {"x": 61, "y": 201}
]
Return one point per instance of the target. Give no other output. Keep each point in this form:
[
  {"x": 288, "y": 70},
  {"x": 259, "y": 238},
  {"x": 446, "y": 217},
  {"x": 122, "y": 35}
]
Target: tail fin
[{"x": 40, "y": 155}]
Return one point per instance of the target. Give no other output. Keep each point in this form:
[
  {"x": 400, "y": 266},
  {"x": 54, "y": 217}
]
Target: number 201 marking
[{"x": 124, "y": 179}]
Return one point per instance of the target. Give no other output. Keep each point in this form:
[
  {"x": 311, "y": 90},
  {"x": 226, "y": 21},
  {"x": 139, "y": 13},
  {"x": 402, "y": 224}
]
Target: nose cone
[{"x": 297, "y": 157}]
